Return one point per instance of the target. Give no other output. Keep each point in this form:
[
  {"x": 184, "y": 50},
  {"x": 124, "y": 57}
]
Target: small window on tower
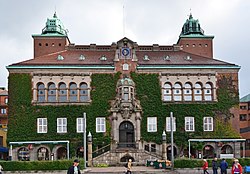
[
  {"x": 40, "y": 44},
  {"x": 193, "y": 45},
  {"x": 206, "y": 45},
  {"x": 47, "y": 44},
  {"x": 60, "y": 44},
  {"x": 187, "y": 45},
  {"x": 53, "y": 44}
]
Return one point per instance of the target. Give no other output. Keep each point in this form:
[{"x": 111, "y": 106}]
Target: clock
[{"x": 125, "y": 51}]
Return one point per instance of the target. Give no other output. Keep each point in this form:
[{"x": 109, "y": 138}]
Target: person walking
[
  {"x": 1, "y": 168},
  {"x": 237, "y": 168},
  {"x": 205, "y": 166},
  {"x": 75, "y": 168},
  {"x": 129, "y": 167},
  {"x": 215, "y": 166},
  {"x": 223, "y": 166}
]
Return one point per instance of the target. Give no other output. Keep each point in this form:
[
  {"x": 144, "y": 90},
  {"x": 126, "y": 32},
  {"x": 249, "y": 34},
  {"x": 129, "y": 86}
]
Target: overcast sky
[{"x": 143, "y": 21}]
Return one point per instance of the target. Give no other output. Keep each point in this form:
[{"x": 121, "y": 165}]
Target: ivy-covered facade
[{"x": 127, "y": 92}]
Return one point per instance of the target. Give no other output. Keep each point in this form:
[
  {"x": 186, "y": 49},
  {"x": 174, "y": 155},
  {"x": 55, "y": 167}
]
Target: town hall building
[{"x": 127, "y": 92}]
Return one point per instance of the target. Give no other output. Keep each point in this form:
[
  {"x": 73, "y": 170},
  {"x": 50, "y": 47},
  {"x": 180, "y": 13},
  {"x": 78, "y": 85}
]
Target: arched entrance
[
  {"x": 227, "y": 149},
  {"x": 126, "y": 135},
  {"x": 126, "y": 157},
  {"x": 169, "y": 152},
  {"x": 61, "y": 153},
  {"x": 208, "y": 152},
  {"x": 42, "y": 153}
]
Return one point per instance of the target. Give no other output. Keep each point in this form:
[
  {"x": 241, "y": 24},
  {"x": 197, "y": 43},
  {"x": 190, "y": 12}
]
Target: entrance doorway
[{"x": 126, "y": 135}]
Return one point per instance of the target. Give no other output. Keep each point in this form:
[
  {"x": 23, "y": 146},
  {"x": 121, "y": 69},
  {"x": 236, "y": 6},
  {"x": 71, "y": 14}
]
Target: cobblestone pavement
[{"x": 120, "y": 170}]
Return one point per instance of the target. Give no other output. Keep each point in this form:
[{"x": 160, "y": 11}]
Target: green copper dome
[
  {"x": 54, "y": 26},
  {"x": 126, "y": 82},
  {"x": 192, "y": 27}
]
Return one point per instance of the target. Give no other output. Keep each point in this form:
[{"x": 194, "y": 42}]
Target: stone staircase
[{"x": 113, "y": 158}]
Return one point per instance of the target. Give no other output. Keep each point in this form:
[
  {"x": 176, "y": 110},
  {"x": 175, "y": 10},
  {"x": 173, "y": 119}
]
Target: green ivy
[
  {"x": 149, "y": 93},
  {"x": 23, "y": 115}
]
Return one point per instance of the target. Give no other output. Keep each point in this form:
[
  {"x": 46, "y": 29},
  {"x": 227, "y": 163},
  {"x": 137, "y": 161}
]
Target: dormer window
[
  {"x": 59, "y": 57},
  {"x": 188, "y": 58},
  {"x": 166, "y": 58},
  {"x": 82, "y": 57},
  {"x": 103, "y": 58},
  {"x": 146, "y": 57}
]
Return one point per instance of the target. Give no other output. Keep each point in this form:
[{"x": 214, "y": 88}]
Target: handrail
[{"x": 101, "y": 150}]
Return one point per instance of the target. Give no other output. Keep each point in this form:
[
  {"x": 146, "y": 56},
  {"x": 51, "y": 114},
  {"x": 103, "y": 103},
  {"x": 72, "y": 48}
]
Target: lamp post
[
  {"x": 90, "y": 150},
  {"x": 172, "y": 141},
  {"x": 164, "y": 145},
  {"x": 84, "y": 138}
]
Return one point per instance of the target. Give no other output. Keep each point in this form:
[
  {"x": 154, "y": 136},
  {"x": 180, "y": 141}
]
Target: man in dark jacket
[
  {"x": 223, "y": 166},
  {"x": 74, "y": 169},
  {"x": 215, "y": 166}
]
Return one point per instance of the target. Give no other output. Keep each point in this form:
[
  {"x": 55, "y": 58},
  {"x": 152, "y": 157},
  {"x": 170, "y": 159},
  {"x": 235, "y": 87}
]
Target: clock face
[{"x": 125, "y": 51}]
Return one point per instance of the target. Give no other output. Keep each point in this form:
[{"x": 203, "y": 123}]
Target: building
[
  {"x": 127, "y": 91},
  {"x": 3, "y": 122},
  {"x": 244, "y": 119}
]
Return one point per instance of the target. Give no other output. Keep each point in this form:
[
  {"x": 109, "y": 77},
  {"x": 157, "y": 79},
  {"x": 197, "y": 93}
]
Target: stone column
[
  {"x": 90, "y": 158},
  {"x": 138, "y": 129},
  {"x": 164, "y": 146}
]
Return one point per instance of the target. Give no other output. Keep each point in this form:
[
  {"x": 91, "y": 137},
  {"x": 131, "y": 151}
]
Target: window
[
  {"x": 40, "y": 92},
  {"x": 61, "y": 125},
  {"x": 72, "y": 92},
  {"x": 243, "y": 107},
  {"x": 51, "y": 92},
  {"x": 62, "y": 93},
  {"x": 125, "y": 67},
  {"x": 188, "y": 92},
  {"x": 83, "y": 92},
  {"x": 126, "y": 93},
  {"x": 189, "y": 123},
  {"x": 168, "y": 126},
  {"x": 208, "y": 92},
  {"x": 3, "y": 111},
  {"x": 167, "y": 92},
  {"x": 197, "y": 92},
  {"x": 208, "y": 123},
  {"x": 6, "y": 100},
  {"x": 152, "y": 124},
  {"x": 79, "y": 125},
  {"x": 100, "y": 124},
  {"x": 41, "y": 125},
  {"x": 177, "y": 92},
  {"x": 243, "y": 117}
]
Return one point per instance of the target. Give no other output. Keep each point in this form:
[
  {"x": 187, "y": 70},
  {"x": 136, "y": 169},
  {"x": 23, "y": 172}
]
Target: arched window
[
  {"x": 83, "y": 92},
  {"x": 177, "y": 92},
  {"x": 42, "y": 154},
  {"x": 40, "y": 92},
  {"x": 197, "y": 92},
  {"x": 51, "y": 92},
  {"x": 23, "y": 154},
  {"x": 188, "y": 92},
  {"x": 208, "y": 92},
  {"x": 73, "y": 92},
  {"x": 62, "y": 93},
  {"x": 167, "y": 92}
]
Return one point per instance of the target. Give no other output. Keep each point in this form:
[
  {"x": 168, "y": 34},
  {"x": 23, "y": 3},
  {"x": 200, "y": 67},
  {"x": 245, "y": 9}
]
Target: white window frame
[
  {"x": 43, "y": 127},
  {"x": 100, "y": 124},
  {"x": 61, "y": 125},
  {"x": 208, "y": 123},
  {"x": 168, "y": 126},
  {"x": 189, "y": 124},
  {"x": 3, "y": 111},
  {"x": 79, "y": 125},
  {"x": 152, "y": 124}
]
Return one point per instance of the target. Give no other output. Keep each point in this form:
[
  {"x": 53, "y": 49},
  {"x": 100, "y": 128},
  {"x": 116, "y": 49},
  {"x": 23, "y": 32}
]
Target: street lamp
[
  {"x": 89, "y": 137},
  {"x": 164, "y": 136}
]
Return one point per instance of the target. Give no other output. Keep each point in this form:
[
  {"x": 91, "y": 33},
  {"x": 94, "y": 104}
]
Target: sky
[{"x": 146, "y": 22}]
